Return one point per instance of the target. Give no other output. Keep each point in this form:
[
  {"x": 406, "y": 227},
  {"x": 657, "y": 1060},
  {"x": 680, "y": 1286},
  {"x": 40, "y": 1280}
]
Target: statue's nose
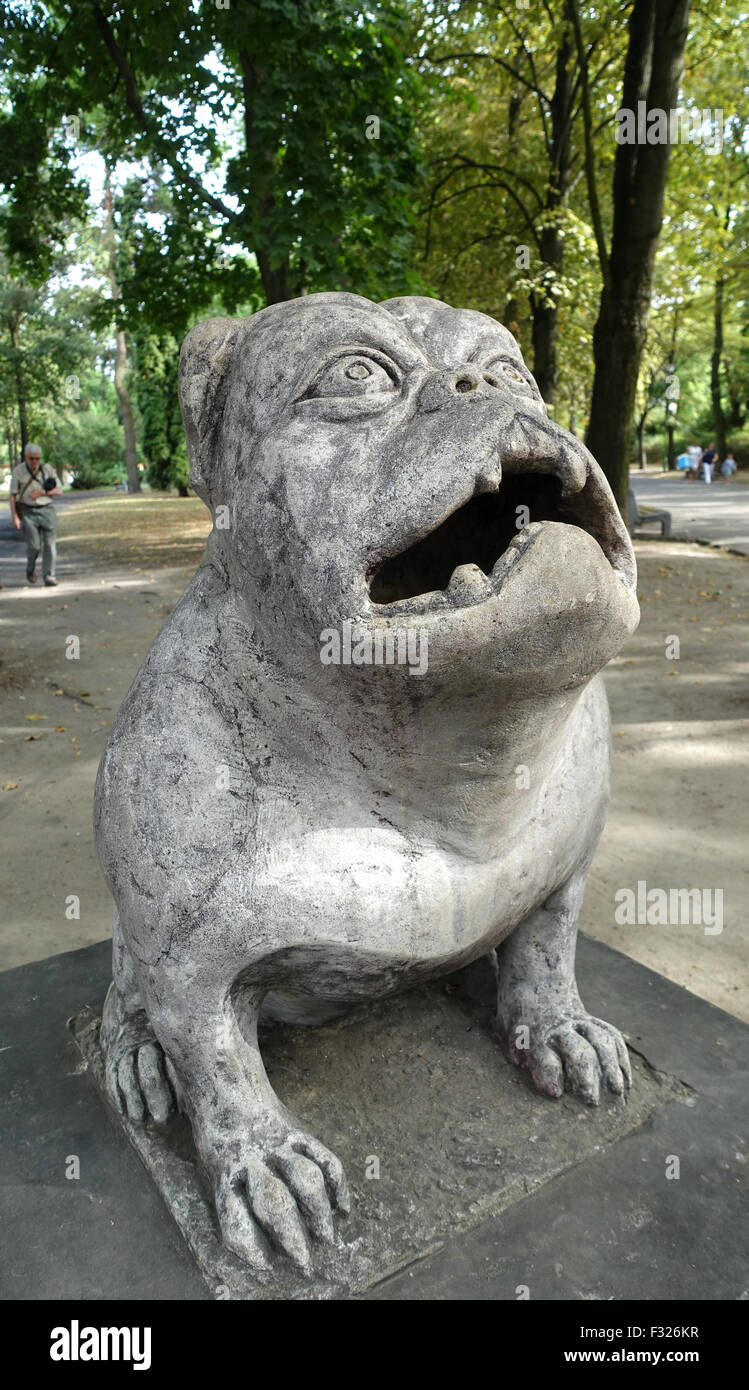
[
  {"x": 467, "y": 379},
  {"x": 442, "y": 387}
]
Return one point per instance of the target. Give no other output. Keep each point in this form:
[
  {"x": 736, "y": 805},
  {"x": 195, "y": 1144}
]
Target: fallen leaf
[
  {"x": 31, "y": 738},
  {"x": 36, "y": 716},
  {"x": 10, "y": 786},
  {"x": 61, "y": 729}
]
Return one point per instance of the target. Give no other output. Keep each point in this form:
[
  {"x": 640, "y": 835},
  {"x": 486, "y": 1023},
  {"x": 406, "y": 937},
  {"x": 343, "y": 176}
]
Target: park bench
[{"x": 636, "y": 518}]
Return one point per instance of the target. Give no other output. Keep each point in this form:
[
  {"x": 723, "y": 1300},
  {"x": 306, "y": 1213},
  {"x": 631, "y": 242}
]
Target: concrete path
[
  {"x": 718, "y": 513},
  {"x": 13, "y": 544}
]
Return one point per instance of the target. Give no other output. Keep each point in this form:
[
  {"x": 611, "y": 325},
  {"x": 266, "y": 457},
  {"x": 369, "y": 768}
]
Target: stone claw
[
  {"x": 141, "y": 1081},
  {"x": 281, "y": 1193},
  {"x": 578, "y": 1053}
]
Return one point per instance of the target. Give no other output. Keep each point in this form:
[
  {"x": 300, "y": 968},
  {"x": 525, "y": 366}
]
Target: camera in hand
[{"x": 49, "y": 484}]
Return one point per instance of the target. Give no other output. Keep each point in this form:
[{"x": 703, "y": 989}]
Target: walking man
[{"x": 32, "y": 487}]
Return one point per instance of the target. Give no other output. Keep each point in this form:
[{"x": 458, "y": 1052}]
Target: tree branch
[
  {"x": 492, "y": 235},
  {"x": 132, "y": 96},
  {"x": 543, "y": 98},
  {"x": 466, "y": 163},
  {"x": 489, "y": 58},
  {"x": 590, "y": 169}
]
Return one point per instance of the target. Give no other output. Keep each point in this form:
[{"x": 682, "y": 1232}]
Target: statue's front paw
[
  {"x": 279, "y": 1192},
  {"x": 140, "y": 1079},
  {"x": 577, "y": 1053}
]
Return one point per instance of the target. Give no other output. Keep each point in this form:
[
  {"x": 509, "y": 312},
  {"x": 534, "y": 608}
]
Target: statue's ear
[{"x": 204, "y": 370}]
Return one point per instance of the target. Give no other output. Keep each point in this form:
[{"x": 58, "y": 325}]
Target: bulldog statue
[{"x": 290, "y": 824}]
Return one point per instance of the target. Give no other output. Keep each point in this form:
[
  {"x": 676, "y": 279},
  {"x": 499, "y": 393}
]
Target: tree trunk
[
  {"x": 657, "y": 36},
  {"x": 126, "y": 411},
  {"x": 737, "y": 412},
  {"x": 641, "y": 450},
  {"x": 670, "y": 372},
  {"x": 11, "y": 437},
  {"x": 23, "y": 420},
  {"x": 274, "y": 278},
  {"x": 671, "y": 452},
  {"x": 719, "y": 419},
  {"x": 511, "y": 314},
  {"x": 273, "y": 274},
  {"x": 544, "y": 304},
  {"x": 120, "y": 362},
  {"x": 544, "y": 337}
]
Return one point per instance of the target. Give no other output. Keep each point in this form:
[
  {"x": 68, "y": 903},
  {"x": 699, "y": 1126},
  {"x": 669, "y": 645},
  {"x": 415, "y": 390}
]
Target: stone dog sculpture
[{"x": 293, "y": 836}]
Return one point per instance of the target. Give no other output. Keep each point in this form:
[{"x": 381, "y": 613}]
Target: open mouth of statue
[{"x": 469, "y": 555}]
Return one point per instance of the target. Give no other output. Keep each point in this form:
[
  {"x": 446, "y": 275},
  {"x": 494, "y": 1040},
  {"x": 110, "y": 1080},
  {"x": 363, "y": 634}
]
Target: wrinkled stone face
[{"x": 394, "y": 465}]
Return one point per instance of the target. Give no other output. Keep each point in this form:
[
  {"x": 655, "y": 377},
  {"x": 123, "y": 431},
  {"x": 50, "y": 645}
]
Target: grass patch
[{"x": 148, "y": 531}]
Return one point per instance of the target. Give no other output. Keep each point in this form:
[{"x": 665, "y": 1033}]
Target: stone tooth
[
  {"x": 515, "y": 549},
  {"x": 467, "y": 579},
  {"x": 507, "y": 559}
]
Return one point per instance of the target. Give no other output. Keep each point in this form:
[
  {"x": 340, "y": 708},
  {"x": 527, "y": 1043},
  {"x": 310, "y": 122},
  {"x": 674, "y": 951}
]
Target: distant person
[
  {"x": 33, "y": 484},
  {"x": 708, "y": 461},
  {"x": 728, "y": 466},
  {"x": 695, "y": 455}
]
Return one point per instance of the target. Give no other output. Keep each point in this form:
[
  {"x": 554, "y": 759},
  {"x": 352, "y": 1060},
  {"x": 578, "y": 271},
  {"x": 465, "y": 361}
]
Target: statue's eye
[
  {"x": 503, "y": 371},
  {"x": 354, "y": 375}
]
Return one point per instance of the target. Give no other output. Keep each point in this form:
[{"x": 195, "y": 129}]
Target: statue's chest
[{"x": 369, "y": 894}]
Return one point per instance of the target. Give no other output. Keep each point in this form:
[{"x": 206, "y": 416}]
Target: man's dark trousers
[{"x": 40, "y": 530}]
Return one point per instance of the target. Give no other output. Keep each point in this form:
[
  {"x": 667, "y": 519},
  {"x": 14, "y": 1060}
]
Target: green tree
[
  {"x": 283, "y": 128},
  {"x": 89, "y": 444},
  {"x": 162, "y": 433},
  {"x": 42, "y": 344},
  {"x": 504, "y": 205}
]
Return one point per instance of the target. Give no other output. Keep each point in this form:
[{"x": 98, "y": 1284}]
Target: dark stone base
[{"x": 484, "y": 1186}]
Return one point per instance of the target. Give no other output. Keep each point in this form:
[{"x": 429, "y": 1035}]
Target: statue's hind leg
[{"x": 141, "y": 1081}]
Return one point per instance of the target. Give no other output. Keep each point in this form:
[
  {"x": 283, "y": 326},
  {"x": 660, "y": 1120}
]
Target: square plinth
[{"x": 436, "y": 1131}]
